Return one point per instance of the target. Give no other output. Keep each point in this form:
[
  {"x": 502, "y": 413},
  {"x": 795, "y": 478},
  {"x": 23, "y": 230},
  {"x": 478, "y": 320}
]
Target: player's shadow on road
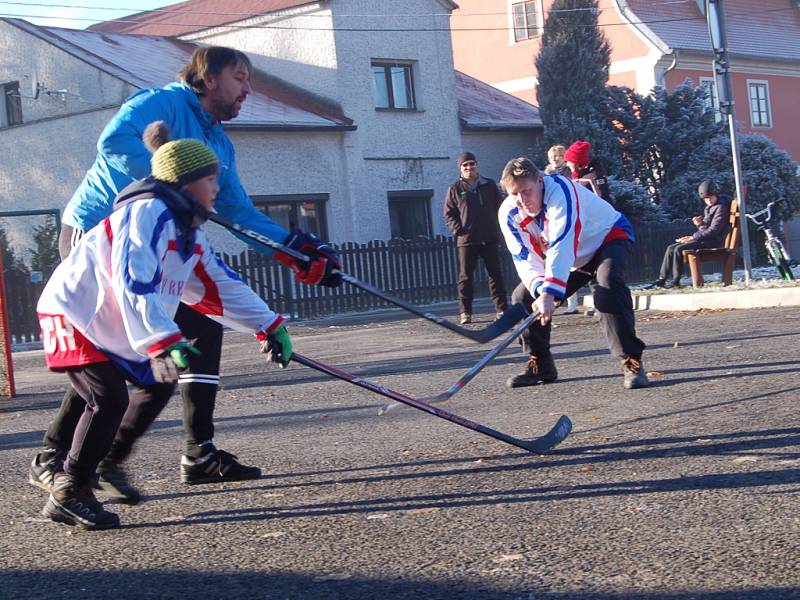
[
  {"x": 748, "y": 446},
  {"x": 168, "y": 584}
]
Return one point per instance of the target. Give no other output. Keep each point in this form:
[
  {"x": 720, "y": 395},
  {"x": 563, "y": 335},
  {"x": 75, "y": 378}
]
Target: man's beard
[{"x": 226, "y": 111}]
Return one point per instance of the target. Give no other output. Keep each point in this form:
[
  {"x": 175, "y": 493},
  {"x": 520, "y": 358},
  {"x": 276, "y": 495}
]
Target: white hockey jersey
[
  {"x": 567, "y": 232},
  {"x": 116, "y": 294}
]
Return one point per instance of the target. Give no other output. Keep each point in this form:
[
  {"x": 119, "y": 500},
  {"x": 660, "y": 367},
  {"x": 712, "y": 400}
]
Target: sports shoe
[
  {"x": 44, "y": 467},
  {"x": 75, "y": 504},
  {"x": 658, "y": 283},
  {"x": 633, "y": 372},
  {"x": 216, "y": 465},
  {"x": 113, "y": 480},
  {"x": 465, "y": 318},
  {"x": 537, "y": 370},
  {"x": 675, "y": 283}
]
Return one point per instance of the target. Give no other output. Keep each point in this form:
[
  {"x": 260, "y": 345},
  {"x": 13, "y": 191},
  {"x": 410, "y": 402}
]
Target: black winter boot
[
  {"x": 114, "y": 481},
  {"x": 537, "y": 370},
  {"x": 74, "y": 503}
]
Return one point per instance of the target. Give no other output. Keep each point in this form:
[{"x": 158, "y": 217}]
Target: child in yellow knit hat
[{"x": 107, "y": 318}]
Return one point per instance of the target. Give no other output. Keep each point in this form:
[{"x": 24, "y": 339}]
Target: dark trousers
[
  {"x": 605, "y": 274},
  {"x": 467, "y": 261},
  {"x": 105, "y": 415},
  {"x": 198, "y": 390},
  {"x": 198, "y": 387},
  {"x": 672, "y": 265}
]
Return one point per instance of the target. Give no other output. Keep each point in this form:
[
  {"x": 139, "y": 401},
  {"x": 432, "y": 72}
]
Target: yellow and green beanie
[{"x": 180, "y": 161}]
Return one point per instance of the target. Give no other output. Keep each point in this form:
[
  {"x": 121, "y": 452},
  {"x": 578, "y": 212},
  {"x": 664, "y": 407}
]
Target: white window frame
[
  {"x": 714, "y": 100},
  {"x": 765, "y": 83},
  {"x": 539, "y": 21}
]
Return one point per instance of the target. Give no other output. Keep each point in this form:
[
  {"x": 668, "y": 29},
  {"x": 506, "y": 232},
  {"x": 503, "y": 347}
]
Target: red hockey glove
[{"x": 321, "y": 269}]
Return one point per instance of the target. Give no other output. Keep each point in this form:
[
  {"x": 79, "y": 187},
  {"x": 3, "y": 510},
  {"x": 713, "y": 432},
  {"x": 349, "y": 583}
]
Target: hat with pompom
[{"x": 178, "y": 162}]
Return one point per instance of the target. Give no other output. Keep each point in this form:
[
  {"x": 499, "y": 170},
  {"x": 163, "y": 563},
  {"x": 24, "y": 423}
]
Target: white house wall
[
  {"x": 493, "y": 151},
  {"x": 42, "y": 164},
  {"x": 390, "y": 150},
  {"x": 85, "y": 88},
  {"x": 298, "y": 46}
]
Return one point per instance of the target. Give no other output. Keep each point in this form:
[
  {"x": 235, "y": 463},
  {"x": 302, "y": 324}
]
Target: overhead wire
[{"x": 134, "y": 21}]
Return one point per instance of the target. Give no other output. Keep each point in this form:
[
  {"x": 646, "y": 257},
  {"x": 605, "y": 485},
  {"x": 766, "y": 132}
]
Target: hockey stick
[
  {"x": 501, "y": 325},
  {"x": 539, "y": 445},
  {"x": 469, "y": 375}
]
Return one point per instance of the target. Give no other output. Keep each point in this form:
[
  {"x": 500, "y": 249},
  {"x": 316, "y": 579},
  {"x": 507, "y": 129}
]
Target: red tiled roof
[
  {"x": 481, "y": 106},
  {"x": 765, "y": 29},
  {"x": 193, "y": 15},
  {"x": 154, "y": 61}
]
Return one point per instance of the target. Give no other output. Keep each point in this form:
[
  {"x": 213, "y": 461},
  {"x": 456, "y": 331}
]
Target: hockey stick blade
[
  {"x": 470, "y": 375},
  {"x": 539, "y": 445},
  {"x": 500, "y": 326},
  {"x": 551, "y": 439}
]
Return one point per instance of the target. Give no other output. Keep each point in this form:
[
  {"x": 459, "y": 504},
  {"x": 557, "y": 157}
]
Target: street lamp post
[{"x": 724, "y": 89}]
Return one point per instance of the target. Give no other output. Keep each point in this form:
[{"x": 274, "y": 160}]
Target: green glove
[
  {"x": 278, "y": 347},
  {"x": 180, "y": 353}
]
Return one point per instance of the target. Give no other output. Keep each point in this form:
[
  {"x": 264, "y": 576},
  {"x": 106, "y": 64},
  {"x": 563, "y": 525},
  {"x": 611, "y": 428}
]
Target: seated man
[{"x": 712, "y": 228}]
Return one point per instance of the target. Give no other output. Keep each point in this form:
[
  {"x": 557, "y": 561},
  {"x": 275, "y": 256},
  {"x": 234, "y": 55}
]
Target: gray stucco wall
[
  {"x": 494, "y": 148},
  {"x": 390, "y": 150},
  {"x": 85, "y": 88}
]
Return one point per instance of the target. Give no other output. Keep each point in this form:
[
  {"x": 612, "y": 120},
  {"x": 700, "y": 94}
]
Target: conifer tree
[
  {"x": 572, "y": 70},
  {"x": 45, "y": 256}
]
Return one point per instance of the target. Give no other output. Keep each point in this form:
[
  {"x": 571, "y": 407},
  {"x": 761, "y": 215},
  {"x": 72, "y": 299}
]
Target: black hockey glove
[
  {"x": 320, "y": 270},
  {"x": 166, "y": 367},
  {"x": 277, "y": 346}
]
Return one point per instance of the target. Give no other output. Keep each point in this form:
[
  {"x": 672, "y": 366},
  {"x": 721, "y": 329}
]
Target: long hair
[{"x": 210, "y": 60}]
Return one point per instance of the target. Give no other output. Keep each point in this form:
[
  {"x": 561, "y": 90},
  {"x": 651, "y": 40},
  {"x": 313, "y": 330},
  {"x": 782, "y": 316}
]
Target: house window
[
  {"x": 10, "y": 104},
  {"x": 293, "y": 211},
  {"x": 524, "y": 15},
  {"x": 710, "y": 101},
  {"x": 758, "y": 94},
  {"x": 393, "y": 85},
  {"x": 410, "y": 214}
]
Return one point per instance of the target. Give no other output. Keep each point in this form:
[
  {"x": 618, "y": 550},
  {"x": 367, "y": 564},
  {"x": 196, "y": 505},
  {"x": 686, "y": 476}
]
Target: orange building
[{"x": 652, "y": 43}]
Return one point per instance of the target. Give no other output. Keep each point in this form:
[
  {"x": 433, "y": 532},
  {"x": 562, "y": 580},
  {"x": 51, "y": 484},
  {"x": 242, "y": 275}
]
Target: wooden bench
[{"x": 726, "y": 255}]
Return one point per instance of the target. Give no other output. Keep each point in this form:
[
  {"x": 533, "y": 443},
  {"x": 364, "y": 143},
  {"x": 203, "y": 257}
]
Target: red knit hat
[{"x": 578, "y": 153}]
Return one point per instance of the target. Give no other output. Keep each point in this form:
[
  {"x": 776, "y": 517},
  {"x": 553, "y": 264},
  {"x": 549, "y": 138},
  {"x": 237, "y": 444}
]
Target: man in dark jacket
[
  {"x": 470, "y": 211},
  {"x": 712, "y": 227}
]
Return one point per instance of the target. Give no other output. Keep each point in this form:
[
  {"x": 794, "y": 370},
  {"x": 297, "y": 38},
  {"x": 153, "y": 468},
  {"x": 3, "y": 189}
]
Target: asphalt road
[{"x": 688, "y": 489}]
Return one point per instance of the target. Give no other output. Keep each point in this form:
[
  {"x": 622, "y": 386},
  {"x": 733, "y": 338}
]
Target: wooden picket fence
[{"x": 423, "y": 271}]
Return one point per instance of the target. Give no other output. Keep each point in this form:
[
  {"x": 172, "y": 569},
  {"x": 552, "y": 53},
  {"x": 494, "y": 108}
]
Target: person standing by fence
[
  {"x": 213, "y": 86},
  {"x": 470, "y": 211}
]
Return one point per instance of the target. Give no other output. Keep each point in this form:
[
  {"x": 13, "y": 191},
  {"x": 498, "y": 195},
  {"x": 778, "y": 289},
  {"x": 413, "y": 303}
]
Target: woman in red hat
[{"x": 586, "y": 170}]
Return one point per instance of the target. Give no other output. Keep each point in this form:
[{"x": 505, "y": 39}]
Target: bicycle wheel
[{"x": 777, "y": 258}]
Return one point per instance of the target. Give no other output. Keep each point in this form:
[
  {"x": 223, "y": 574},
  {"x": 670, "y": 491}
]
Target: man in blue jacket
[{"x": 212, "y": 88}]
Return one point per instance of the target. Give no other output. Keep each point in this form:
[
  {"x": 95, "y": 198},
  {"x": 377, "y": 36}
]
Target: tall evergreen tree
[
  {"x": 572, "y": 70},
  {"x": 10, "y": 259},
  {"x": 45, "y": 256}
]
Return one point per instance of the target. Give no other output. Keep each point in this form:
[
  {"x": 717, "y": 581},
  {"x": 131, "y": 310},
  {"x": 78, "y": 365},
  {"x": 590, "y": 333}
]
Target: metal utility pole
[{"x": 724, "y": 89}]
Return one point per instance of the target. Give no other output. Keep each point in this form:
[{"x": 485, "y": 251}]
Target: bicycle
[{"x": 776, "y": 251}]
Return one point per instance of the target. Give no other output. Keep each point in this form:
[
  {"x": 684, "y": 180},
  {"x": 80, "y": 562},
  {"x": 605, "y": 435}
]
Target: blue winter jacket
[{"x": 122, "y": 158}]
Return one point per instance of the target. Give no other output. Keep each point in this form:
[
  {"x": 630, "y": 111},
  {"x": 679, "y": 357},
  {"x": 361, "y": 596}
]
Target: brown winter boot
[
  {"x": 633, "y": 372},
  {"x": 537, "y": 370}
]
